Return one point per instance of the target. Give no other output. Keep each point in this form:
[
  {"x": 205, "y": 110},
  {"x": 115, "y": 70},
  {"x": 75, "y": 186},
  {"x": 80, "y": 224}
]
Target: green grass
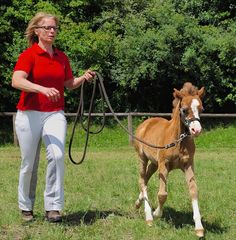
[{"x": 100, "y": 193}]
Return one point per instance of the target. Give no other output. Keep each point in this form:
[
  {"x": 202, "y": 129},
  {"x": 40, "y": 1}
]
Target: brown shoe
[
  {"x": 53, "y": 216},
  {"x": 27, "y": 216}
]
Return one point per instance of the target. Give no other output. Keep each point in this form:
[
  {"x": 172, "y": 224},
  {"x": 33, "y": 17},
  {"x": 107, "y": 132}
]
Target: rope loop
[{"x": 104, "y": 97}]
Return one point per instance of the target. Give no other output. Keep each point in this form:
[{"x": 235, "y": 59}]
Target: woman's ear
[{"x": 36, "y": 31}]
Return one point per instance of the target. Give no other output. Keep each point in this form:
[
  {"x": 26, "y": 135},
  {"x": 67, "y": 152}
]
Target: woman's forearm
[
  {"x": 74, "y": 83},
  {"x": 19, "y": 81}
]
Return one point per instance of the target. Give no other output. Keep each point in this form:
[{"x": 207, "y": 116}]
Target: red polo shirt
[{"x": 46, "y": 71}]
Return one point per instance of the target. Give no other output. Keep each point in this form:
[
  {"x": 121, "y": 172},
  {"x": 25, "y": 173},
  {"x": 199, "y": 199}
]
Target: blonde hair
[{"x": 29, "y": 33}]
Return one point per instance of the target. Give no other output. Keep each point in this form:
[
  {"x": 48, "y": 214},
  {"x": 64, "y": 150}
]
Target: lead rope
[
  {"x": 79, "y": 118},
  {"x": 103, "y": 94}
]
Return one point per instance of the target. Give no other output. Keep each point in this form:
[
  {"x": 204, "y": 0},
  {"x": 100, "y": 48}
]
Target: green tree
[
  {"x": 160, "y": 48},
  {"x": 142, "y": 48}
]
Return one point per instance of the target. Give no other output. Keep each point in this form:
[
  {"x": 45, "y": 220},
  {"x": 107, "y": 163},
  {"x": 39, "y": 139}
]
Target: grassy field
[{"x": 100, "y": 193}]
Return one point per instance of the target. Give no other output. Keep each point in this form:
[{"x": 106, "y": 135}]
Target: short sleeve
[
  {"x": 68, "y": 70},
  {"x": 25, "y": 62}
]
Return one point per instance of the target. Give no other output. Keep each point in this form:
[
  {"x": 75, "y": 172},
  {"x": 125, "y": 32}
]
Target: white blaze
[{"x": 195, "y": 126}]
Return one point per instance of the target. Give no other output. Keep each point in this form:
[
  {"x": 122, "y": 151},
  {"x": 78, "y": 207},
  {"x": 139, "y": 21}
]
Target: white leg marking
[
  {"x": 139, "y": 200},
  {"x": 196, "y": 215},
  {"x": 158, "y": 212},
  {"x": 147, "y": 208}
]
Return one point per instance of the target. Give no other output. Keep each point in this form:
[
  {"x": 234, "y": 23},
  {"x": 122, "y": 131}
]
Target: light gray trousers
[{"x": 31, "y": 127}]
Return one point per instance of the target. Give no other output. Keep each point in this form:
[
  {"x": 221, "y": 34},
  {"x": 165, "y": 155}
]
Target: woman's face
[{"x": 46, "y": 30}]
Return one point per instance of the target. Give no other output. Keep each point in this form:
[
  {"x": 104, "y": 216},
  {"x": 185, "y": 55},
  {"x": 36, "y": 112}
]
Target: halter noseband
[{"x": 185, "y": 120}]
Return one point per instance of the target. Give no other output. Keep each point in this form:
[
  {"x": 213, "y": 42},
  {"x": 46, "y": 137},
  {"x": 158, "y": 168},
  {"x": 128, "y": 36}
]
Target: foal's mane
[{"x": 188, "y": 89}]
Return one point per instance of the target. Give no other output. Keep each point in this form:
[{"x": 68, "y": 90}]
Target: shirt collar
[{"x": 40, "y": 51}]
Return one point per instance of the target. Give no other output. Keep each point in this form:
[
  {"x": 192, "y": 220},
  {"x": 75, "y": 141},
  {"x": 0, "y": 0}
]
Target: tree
[{"x": 142, "y": 48}]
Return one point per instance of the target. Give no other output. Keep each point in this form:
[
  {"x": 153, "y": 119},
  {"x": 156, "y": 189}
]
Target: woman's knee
[{"x": 55, "y": 154}]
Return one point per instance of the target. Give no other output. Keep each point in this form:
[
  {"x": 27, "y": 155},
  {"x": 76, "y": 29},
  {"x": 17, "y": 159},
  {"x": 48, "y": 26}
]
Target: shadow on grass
[
  {"x": 179, "y": 219},
  {"x": 89, "y": 217}
]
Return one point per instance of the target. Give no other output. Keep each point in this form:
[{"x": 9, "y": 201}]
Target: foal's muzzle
[{"x": 192, "y": 124}]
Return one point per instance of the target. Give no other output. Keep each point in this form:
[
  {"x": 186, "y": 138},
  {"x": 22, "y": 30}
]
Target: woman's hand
[
  {"x": 51, "y": 93},
  {"x": 76, "y": 82},
  {"x": 89, "y": 75}
]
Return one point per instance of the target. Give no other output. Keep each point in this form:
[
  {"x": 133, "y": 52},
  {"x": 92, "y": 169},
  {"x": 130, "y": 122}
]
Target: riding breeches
[{"x": 31, "y": 128}]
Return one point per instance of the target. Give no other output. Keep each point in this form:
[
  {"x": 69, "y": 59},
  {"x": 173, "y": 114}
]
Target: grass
[{"x": 100, "y": 193}]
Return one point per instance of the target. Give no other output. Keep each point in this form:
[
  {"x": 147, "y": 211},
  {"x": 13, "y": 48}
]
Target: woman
[{"x": 41, "y": 73}]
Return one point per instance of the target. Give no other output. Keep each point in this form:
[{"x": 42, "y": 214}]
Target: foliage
[{"x": 142, "y": 48}]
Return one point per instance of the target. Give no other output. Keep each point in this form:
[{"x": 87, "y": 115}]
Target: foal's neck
[{"x": 176, "y": 120}]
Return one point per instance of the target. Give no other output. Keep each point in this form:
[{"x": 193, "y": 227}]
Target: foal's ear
[
  {"x": 201, "y": 92},
  {"x": 177, "y": 94}
]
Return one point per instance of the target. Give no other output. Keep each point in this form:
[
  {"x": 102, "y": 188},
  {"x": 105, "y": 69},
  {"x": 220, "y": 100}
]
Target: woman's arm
[
  {"x": 19, "y": 81},
  {"x": 76, "y": 82}
]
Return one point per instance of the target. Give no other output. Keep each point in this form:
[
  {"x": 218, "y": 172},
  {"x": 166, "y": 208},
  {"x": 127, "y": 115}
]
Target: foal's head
[{"x": 190, "y": 105}]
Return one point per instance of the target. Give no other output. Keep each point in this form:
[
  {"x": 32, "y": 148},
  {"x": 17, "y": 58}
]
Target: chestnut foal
[{"x": 158, "y": 131}]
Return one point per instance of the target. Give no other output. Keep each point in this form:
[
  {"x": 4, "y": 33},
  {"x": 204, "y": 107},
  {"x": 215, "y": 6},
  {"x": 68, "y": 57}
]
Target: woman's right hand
[{"x": 51, "y": 93}]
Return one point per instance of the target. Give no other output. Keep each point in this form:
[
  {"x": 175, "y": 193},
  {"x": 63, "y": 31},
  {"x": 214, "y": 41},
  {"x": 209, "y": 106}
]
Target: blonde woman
[{"x": 41, "y": 73}]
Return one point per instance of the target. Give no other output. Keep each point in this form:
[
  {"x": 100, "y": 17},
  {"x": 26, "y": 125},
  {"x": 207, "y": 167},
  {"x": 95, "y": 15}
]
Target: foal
[{"x": 187, "y": 106}]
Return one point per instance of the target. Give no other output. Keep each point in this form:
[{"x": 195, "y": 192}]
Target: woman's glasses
[{"x": 48, "y": 28}]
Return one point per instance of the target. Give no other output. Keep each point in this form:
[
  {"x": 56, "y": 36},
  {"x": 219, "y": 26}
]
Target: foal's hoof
[
  {"x": 158, "y": 213},
  {"x": 199, "y": 233},
  {"x": 149, "y": 223},
  {"x": 138, "y": 204}
]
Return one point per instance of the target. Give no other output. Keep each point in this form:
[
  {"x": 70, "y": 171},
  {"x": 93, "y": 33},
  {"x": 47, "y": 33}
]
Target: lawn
[{"x": 100, "y": 194}]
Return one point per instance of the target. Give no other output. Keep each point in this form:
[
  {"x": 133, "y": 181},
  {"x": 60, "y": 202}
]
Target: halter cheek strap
[
  {"x": 188, "y": 121},
  {"x": 185, "y": 120}
]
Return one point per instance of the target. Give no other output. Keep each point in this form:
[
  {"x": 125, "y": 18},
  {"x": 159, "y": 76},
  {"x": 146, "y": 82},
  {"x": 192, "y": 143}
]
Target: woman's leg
[
  {"x": 28, "y": 129},
  {"x": 54, "y": 134}
]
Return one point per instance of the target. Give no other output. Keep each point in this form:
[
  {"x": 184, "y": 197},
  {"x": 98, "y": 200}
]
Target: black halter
[{"x": 186, "y": 121}]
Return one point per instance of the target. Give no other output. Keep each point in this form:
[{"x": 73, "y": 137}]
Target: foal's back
[{"x": 152, "y": 130}]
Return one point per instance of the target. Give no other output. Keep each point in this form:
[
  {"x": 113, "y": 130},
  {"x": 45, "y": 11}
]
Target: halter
[{"x": 186, "y": 121}]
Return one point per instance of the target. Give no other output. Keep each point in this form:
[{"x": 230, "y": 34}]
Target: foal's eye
[{"x": 184, "y": 110}]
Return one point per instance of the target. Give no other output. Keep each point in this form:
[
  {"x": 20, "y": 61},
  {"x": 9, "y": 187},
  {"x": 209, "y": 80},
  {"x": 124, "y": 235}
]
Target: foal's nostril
[{"x": 195, "y": 131}]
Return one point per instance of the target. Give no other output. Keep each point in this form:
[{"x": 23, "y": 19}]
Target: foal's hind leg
[
  {"x": 152, "y": 168},
  {"x": 189, "y": 174},
  {"x": 162, "y": 194},
  {"x": 145, "y": 175}
]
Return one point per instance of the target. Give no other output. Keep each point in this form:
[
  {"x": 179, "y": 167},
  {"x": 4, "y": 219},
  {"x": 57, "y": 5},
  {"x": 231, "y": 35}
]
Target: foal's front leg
[
  {"x": 162, "y": 194},
  {"x": 189, "y": 174},
  {"x": 143, "y": 196}
]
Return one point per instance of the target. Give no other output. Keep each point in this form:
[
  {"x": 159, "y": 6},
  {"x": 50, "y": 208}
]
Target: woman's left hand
[{"x": 89, "y": 75}]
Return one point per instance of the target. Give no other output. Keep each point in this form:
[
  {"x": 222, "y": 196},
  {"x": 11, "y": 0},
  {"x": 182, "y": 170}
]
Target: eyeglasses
[{"x": 48, "y": 28}]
